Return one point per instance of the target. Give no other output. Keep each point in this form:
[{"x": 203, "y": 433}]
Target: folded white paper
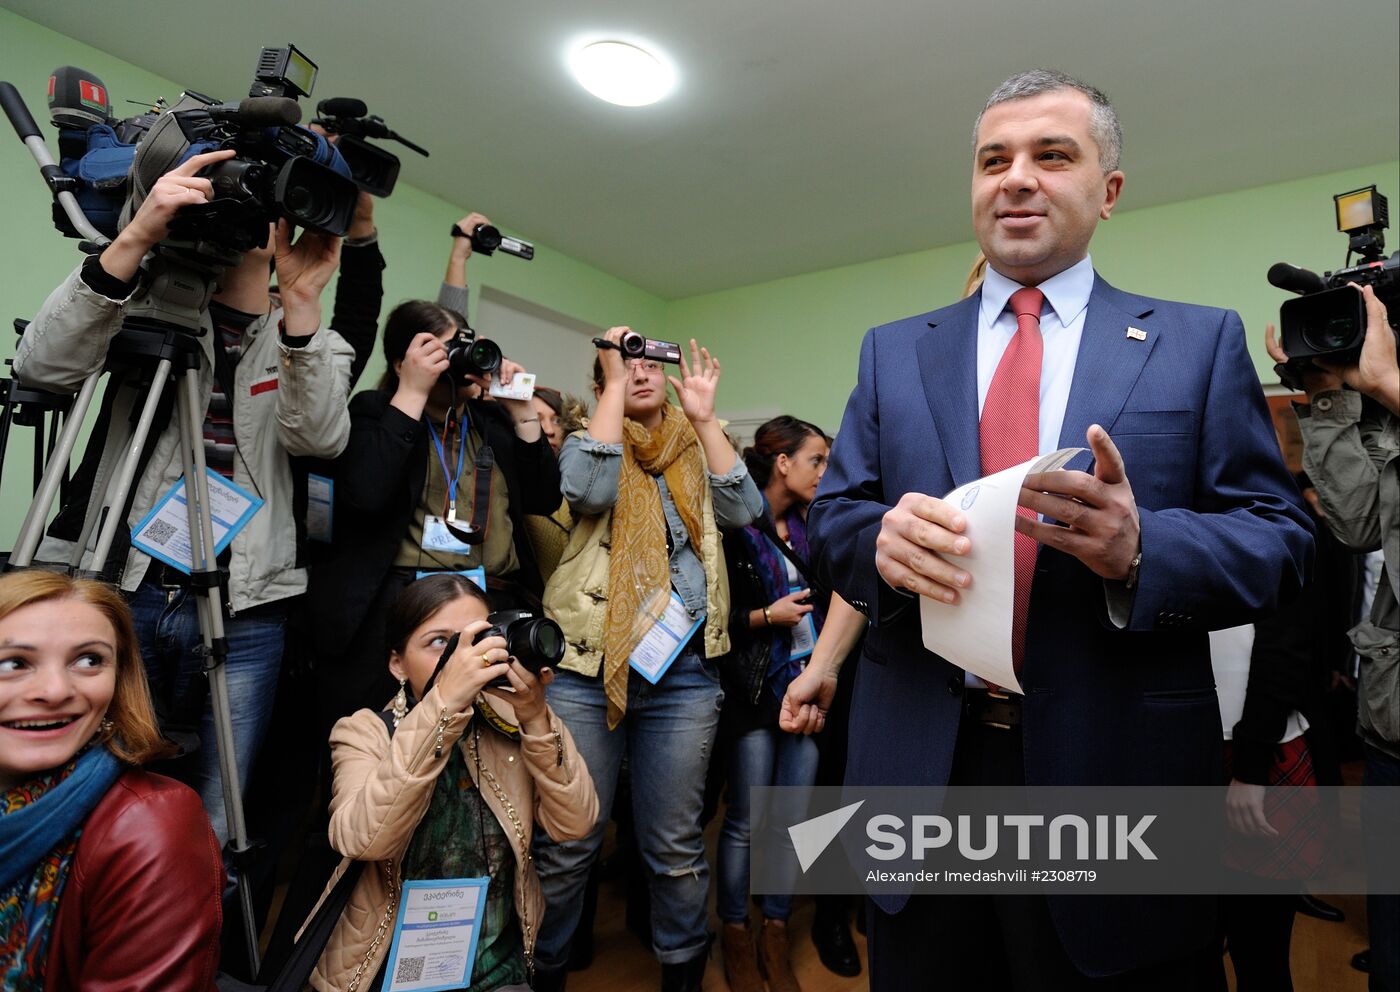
[{"x": 975, "y": 634}]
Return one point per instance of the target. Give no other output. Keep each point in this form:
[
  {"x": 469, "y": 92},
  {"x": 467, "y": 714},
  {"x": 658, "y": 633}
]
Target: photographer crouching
[
  {"x": 272, "y": 383},
  {"x": 1351, "y": 438}
]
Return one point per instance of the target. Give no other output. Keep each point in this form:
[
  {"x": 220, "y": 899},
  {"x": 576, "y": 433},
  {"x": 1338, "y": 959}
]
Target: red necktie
[{"x": 1010, "y": 434}]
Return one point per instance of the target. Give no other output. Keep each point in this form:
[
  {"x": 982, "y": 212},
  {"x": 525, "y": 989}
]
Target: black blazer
[{"x": 378, "y": 482}]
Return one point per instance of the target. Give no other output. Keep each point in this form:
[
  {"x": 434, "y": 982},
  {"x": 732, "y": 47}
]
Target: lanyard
[{"x": 450, "y": 476}]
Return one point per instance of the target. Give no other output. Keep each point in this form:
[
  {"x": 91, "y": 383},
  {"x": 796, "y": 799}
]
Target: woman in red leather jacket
[{"x": 110, "y": 877}]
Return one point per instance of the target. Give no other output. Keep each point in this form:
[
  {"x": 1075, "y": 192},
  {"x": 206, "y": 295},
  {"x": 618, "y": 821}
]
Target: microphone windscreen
[
  {"x": 342, "y": 106},
  {"x": 269, "y": 111},
  {"x": 1294, "y": 279},
  {"x": 77, "y": 98}
]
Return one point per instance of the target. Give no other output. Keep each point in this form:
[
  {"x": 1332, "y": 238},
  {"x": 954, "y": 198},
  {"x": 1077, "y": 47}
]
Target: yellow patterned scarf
[{"x": 639, "y": 583}]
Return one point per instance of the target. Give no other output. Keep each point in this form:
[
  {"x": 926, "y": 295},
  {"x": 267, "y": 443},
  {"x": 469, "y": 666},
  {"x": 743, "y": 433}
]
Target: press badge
[
  {"x": 436, "y": 537},
  {"x": 435, "y": 935}
]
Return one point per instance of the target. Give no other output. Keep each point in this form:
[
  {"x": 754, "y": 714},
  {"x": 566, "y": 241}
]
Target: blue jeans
[
  {"x": 763, "y": 757},
  {"x": 167, "y": 628},
  {"x": 667, "y": 734},
  {"x": 1380, "y": 830}
]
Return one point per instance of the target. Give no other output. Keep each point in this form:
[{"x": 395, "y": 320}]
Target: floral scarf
[{"x": 46, "y": 812}]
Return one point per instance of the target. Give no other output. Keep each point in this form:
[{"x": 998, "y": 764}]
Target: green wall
[
  {"x": 794, "y": 342},
  {"x": 791, "y": 343},
  {"x": 413, "y": 229}
]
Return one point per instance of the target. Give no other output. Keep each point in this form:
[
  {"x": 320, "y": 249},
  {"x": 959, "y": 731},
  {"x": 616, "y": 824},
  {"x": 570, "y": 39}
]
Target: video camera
[
  {"x": 373, "y": 168},
  {"x": 1328, "y": 320},
  {"x": 633, "y": 345},
  {"x": 279, "y": 169}
]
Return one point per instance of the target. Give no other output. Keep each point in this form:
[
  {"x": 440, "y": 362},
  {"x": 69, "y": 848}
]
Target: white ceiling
[{"x": 803, "y": 134}]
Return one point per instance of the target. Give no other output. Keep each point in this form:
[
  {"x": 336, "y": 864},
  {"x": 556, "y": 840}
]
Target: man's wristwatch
[{"x": 1131, "y": 581}]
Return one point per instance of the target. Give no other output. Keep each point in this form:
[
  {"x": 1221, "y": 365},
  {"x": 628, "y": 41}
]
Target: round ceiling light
[{"x": 621, "y": 73}]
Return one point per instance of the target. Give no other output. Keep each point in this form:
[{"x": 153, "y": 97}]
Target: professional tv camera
[
  {"x": 279, "y": 169},
  {"x": 1328, "y": 320}
]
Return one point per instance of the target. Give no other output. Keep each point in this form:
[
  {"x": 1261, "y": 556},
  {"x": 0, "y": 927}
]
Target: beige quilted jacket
[{"x": 382, "y": 788}]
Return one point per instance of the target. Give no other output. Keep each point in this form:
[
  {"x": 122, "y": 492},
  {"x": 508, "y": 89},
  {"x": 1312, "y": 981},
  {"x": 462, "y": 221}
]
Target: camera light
[
  {"x": 622, "y": 73},
  {"x": 1358, "y": 209}
]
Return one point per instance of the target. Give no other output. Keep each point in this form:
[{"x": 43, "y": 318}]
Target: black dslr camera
[
  {"x": 534, "y": 642},
  {"x": 1328, "y": 320},
  {"x": 468, "y": 354}
]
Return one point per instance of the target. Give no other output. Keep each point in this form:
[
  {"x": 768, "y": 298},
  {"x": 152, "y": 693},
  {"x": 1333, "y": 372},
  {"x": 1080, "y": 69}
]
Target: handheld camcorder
[
  {"x": 633, "y": 345},
  {"x": 374, "y": 169},
  {"x": 486, "y": 238},
  {"x": 1328, "y": 319},
  {"x": 535, "y": 642}
]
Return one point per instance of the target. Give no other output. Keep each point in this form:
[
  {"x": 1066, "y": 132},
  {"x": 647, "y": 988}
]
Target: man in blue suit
[{"x": 1187, "y": 522}]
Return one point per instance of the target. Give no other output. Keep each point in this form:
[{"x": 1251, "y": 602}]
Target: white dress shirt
[{"x": 1061, "y": 326}]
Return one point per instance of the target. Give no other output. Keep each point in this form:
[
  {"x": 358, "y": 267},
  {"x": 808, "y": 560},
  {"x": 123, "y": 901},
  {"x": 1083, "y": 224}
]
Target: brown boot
[
  {"x": 774, "y": 958},
  {"x": 740, "y": 959}
]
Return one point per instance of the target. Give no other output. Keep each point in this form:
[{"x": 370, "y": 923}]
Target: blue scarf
[
  {"x": 771, "y": 566},
  {"x": 29, "y": 833}
]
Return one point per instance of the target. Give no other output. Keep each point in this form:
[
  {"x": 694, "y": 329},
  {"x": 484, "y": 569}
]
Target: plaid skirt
[{"x": 1293, "y": 808}]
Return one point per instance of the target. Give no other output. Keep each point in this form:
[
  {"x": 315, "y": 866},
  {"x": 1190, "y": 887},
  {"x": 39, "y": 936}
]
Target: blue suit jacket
[{"x": 1224, "y": 541}]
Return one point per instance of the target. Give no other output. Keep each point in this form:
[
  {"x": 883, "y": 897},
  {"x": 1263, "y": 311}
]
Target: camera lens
[
  {"x": 1331, "y": 334},
  {"x": 485, "y": 238},
  {"x": 633, "y": 345},
  {"x": 549, "y": 641}
]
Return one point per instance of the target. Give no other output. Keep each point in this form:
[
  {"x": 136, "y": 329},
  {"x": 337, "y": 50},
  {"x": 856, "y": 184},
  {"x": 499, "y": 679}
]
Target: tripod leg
[
  {"x": 210, "y": 606},
  {"x": 31, "y": 532},
  {"x": 117, "y": 492}
]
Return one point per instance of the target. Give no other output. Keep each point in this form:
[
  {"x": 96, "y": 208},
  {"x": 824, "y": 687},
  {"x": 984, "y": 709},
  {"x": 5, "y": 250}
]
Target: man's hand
[
  {"x": 1375, "y": 372},
  {"x": 697, "y": 385},
  {"x": 914, "y": 536},
  {"x": 177, "y": 189},
  {"x": 1315, "y": 380},
  {"x": 303, "y": 271},
  {"x": 1099, "y": 514},
  {"x": 807, "y": 701}
]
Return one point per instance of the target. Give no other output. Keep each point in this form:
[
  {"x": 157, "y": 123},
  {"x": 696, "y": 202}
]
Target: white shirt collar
[{"x": 1067, "y": 292}]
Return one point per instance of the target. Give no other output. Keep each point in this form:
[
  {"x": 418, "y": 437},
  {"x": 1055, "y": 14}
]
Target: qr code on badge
[
  {"x": 158, "y": 532},
  {"x": 409, "y": 970}
]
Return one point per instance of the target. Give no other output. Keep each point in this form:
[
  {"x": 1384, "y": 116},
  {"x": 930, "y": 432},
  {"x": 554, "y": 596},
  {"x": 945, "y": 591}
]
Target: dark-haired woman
[
  {"x": 110, "y": 877},
  {"x": 406, "y": 487},
  {"x": 454, "y": 793},
  {"x": 777, "y": 627}
]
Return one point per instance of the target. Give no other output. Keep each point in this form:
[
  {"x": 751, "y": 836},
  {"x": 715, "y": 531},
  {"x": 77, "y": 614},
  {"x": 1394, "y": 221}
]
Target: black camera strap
[{"x": 475, "y": 530}]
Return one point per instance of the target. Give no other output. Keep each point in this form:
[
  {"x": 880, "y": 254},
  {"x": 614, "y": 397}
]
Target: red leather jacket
[{"x": 141, "y": 908}]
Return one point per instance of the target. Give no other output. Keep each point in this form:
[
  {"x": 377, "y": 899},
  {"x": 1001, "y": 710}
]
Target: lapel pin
[{"x": 1136, "y": 334}]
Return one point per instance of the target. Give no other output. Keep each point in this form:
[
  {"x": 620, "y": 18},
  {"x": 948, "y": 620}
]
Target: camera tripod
[{"x": 163, "y": 325}]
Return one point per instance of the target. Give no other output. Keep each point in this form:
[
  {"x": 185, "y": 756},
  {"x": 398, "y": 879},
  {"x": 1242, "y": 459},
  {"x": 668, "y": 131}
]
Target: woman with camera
[
  {"x": 110, "y": 877},
  {"x": 777, "y": 628},
  {"x": 450, "y": 786},
  {"x": 432, "y": 479},
  {"x": 649, "y": 483}
]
